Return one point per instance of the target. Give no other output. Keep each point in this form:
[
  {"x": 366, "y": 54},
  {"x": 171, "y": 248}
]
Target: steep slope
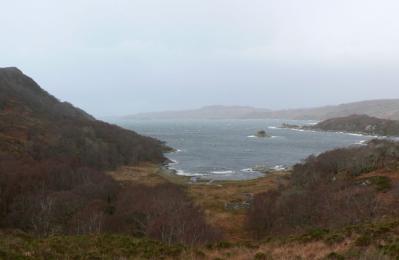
[{"x": 34, "y": 124}]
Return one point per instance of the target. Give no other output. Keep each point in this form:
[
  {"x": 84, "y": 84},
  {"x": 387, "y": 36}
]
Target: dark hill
[
  {"x": 360, "y": 124},
  {"x": 36, "y": 125},
  {"x": 53, "y": 179}
]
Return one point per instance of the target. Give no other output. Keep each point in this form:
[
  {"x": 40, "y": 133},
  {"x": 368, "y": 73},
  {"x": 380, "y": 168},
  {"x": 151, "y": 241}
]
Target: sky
[{"x": 127, "y": 56}]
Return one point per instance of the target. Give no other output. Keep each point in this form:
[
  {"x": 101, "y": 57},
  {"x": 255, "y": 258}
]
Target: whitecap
[
  {"x": 363, "y": 142},
  {"x": 183, "y": 173},
  {"x": 298, "y": 130},
  {"x": 279, "y": 168},
  {"x": 354, "y": 134},
  {"x": 223, "y": 172},
  {"x": 252, "y": 136},
  {"x": 173, "y": 162}
]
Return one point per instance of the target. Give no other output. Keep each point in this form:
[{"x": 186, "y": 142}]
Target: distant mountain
[
  {"x": 208, "y": 112},
  {"x": 384, "y": 108}
]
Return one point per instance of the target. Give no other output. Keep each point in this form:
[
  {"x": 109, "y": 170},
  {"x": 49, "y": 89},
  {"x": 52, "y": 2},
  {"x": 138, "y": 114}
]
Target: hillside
[
  {"x": 35, "y": 125},
  {"x": 72, "y": 187},
  {"x": 341, "y": 204},
  {"x": 54, "y": 163},
  {"x": 387, "y": 109},
  {"x": 362, "y": 124}
]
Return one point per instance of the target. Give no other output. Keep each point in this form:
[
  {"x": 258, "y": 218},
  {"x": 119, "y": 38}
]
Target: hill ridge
[{"x": 382, "y": 108}]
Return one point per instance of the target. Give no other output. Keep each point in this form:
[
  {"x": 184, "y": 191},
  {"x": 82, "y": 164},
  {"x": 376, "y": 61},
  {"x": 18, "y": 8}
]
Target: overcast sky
[{"x": 119, "y": 57}]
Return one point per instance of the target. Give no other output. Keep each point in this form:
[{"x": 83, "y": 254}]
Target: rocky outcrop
[
  {"x": 360, "y": 124},
  {"x": 262, "y": 134}
]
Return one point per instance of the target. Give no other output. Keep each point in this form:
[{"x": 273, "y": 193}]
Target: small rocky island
[
  {"x": 262, "y": 134},
  {"x": 361, "y": 124}
]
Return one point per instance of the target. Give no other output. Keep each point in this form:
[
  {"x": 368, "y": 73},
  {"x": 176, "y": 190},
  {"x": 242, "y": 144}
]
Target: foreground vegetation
[
  {"x": 53, "y": 182},
  {"x": 74, "y": 187}
]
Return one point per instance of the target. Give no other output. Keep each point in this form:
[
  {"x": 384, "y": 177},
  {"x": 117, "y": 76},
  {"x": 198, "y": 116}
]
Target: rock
[
  {"x": 240, "y": 204},
  {"x": 285, "y": 125},
  {"x": 262, "y": 134}
]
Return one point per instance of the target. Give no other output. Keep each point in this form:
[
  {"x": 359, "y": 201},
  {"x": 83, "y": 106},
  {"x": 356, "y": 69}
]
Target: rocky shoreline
[{"x": 356, "y": 124}]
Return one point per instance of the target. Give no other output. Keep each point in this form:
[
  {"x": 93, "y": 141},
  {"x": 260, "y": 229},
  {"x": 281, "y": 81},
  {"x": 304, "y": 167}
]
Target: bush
[
  {"x": 381, "y": 183},
  {"x": 334, "y": 256},
  {"x": 324, "y": 193}
]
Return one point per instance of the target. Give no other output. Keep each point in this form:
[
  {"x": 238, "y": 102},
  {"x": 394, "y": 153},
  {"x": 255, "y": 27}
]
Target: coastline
[{"x": 315, "y": 130}]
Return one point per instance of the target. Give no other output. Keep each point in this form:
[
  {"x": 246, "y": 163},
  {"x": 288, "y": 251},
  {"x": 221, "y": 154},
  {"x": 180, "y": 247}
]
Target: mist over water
[{"x": 228, "y": 149}]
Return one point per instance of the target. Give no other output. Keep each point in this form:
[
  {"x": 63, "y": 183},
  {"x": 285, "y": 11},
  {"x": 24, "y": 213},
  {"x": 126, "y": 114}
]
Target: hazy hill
[
  {"x": 208, "y": 112},
  {"x": 387, "y": 108},
  {"x": 384, "y": 108}
]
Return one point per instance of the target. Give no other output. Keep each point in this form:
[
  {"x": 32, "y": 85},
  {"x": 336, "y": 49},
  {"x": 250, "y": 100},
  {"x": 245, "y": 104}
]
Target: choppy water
[{"x": 228, "y": 149}]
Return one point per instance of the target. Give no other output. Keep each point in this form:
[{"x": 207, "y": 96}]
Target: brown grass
[
  {"x": 148, "y": 174},
  {"x": 310, "y": 250},
  {"x": 211, "y": 197}
]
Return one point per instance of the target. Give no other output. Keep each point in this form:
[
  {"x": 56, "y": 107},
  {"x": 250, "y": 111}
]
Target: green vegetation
[
  {"x": 381, "y": 183},
  {"x": 23, "y": 246}
]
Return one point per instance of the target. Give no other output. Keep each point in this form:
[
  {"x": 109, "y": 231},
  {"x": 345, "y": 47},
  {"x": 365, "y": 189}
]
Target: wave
[
  {"x": 363, "y": 142},
  {"x": 279, "y": 168},
  {"x": 254, "y": 136},
  {"x": 189, "y": 174},
  {"x": 173, "y": 162},
  {"x": 354, "y": 134},
  {"x": 223, "y": 172},
  {"x": 298, "y": 130}
]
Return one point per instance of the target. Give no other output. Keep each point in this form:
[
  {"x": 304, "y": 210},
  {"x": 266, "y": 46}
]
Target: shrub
[
  {"x": 323, "y": 193},
  {"x": 382, "y": 183}
]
